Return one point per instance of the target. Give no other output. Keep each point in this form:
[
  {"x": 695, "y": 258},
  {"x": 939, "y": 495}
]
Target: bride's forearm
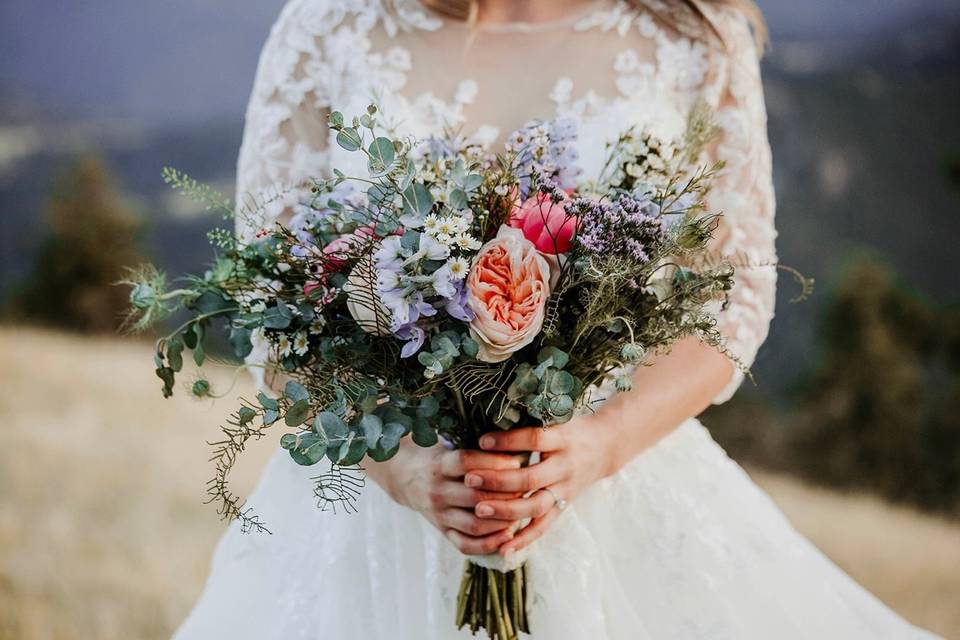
[{"x": 679, "y": 385}]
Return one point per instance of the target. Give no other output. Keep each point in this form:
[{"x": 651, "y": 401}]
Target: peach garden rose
[{"x": 509, "y": 284}]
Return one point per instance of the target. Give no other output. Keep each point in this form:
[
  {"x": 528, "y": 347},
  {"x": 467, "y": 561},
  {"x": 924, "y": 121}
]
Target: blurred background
[{"x": 853, "y": 426}]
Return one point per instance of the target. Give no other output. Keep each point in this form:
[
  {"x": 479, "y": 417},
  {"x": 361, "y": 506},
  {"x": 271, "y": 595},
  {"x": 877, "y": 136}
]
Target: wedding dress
[{"x": 680, "y": 543}]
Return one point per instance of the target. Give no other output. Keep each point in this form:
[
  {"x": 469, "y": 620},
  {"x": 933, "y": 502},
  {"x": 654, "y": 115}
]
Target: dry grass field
[{"x": 103, "y": 534}]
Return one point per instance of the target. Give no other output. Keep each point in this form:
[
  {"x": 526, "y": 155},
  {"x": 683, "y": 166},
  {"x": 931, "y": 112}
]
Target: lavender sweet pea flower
[
  {"x": 414, "y": 337},
  {"x": 443, "y": 283},
  {"x": 390, "y": 255},
  {"x": 431, "y": 249},
  {"x": 458, "y": 306},
  {"x": 406, "y": 306}
]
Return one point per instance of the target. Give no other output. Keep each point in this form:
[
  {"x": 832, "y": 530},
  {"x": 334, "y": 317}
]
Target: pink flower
[
  {"x": 341, "y": 248},
  {"x": 509, "y": 284},
  {"x": 545, "y": 223}
]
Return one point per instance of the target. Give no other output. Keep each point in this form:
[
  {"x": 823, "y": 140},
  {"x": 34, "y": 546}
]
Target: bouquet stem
[{"x": 494, "y": 601}]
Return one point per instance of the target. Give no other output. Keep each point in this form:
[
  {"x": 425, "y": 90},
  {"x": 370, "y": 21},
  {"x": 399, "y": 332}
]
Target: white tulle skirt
[{"x": 679, "y": 544}]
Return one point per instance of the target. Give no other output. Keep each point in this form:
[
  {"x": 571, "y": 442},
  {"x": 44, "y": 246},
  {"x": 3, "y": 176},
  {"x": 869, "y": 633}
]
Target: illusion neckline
[{"x": 522, "y": 26}]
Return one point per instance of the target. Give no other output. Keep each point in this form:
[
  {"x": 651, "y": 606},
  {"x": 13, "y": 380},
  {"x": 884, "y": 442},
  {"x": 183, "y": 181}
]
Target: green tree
[
  {"x": 883, "y": 408},
  {"x": 91, "y": 238}
]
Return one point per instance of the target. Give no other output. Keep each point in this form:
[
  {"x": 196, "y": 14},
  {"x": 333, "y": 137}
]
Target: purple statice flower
[
  {"x": 546, "y": 146},
  {"x": 629, "y": 227}
]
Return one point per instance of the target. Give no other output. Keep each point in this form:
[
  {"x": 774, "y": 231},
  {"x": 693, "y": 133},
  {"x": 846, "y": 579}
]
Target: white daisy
[
  {"x": 283, "y": 346},
  {"x": 301, "y": 344},
  {"x": 461, "y": 225},
  {"x": 458, "y": 268},
  {"x": 467, "y": 242},
  {"x": 445, "y": 239},
  {"x": 430, "y": 223},
  {"x": 447, "y": 227}
]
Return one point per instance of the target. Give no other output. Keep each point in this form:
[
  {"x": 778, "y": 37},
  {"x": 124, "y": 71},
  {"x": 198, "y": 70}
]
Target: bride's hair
[{"x": 466, "y": 10}]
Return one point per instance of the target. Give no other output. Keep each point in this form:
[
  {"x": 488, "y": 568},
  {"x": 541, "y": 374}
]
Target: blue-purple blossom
[
  {"x": 547, "y": 147},
  {"x": 458, "y": 306},
  {"x": 413, "y": 337}
]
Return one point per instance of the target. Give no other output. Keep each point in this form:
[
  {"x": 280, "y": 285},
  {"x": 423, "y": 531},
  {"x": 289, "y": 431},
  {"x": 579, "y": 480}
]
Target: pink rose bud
[{"x": 545, "y": 223}]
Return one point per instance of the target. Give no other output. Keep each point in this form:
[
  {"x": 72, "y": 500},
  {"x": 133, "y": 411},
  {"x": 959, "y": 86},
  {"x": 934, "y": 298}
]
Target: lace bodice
[{"x": 611, "y": 65}]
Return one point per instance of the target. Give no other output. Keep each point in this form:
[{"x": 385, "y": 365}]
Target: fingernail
[
  {"x": 473, "y": 480},
  {"x": 484, "y": 510},
  {"x": 487, "y": 442}
]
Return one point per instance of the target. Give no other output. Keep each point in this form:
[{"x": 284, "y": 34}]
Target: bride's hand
[
  {"x": 430, "y": 481},
  {"x": 574, "y": 455}
]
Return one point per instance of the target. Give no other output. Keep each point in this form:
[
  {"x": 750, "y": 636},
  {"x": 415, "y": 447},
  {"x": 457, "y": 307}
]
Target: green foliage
[
  {"x": 883, "y": 409},
  {"x": 91, "y": 238}
]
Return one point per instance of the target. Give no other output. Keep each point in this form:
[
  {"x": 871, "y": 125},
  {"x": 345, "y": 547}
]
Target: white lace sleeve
[
  {"x": 744, "y": 194},
  {"x": 285, "y": 137}
]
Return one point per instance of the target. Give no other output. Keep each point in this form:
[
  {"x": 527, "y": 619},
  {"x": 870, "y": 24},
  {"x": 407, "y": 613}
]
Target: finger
[
  {"x": 524, "y": 439},
  {"x": 470, "y": 525},
  {"x": 472, "y": 546},
  {"x": 533, "y": 507},
  {"x": 544, "y": 474},
  {"x": 453, "y": 493},
  {"x": 528, "y": 534},
  {"x": 453, "y": 464}
]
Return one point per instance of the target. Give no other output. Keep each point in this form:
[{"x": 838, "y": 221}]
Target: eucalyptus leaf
[
  {"x": 352, "y": 451},
  {"x": 382, "y": 152},
  {"x": 349, "y": 138},
  {"x": 332, "y": 427},
  {"x": 424, "y": 434},
  {"x": 372, "y": 429},
  {"x": 277, "y": 316},
  {"x": 417, "y": 200},
  {"x": 308, "y": 450},
  {"x": 245, "y": 415},
  {"x": 297, "y": 413},
  {"x": 294, "y": 391},
  {"x": 562, "y": 383},
  {"x": 175, "y": 353},
  {"x": 199, "y": 355},
  {"x": 240, "y": 340},
  {"x": 267, "y": 402},
  {"x": 212, "y": 302},
  {"x": 389, "y": 442}
]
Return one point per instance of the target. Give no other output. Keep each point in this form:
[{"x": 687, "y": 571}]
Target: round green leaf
[
  {"x": 349, "y": 138},
  {"x": 297, "y": 413}
]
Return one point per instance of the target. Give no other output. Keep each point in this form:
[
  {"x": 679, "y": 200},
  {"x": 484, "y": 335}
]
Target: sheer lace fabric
[{"x": 680, "y": 543}]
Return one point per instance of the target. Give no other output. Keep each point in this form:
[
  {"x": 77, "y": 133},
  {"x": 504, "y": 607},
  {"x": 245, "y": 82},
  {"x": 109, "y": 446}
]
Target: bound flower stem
[{"x": 494, "y": 601}]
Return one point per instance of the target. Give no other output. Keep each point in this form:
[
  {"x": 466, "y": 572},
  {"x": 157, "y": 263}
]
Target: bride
[{"x": 663, "y": 536}]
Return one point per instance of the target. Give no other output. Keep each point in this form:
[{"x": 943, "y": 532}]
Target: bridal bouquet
[{"x": 445, "y": 293}]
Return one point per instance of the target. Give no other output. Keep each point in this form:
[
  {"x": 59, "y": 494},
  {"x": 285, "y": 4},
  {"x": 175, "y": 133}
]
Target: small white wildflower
[
  {"x": 461, "y": 225},
  {"x": 430, "y": 223},
  {"x": 283, "y": 346},
  {"x": 446, "y": 226},
  {"x": 317, "y": 327},
  {"x": 283, "y": 267},
  {"x": 501, "y": 190},
  {"x": 458, "y": 268},
  {"x": 445, "y": 239},
  {"x": 467, "y": 242},
  {"x": 258, "y": 306},
  {"x": 301, "y": 344}
]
